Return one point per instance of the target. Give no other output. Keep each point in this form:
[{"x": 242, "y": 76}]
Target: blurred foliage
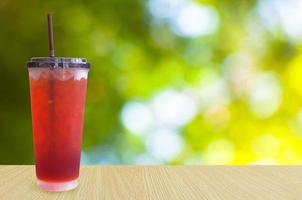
[{"x": 244, "y": 79}]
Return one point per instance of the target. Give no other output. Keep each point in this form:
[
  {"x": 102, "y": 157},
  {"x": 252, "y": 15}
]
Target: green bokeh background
[{"x": 135, "y": 56}]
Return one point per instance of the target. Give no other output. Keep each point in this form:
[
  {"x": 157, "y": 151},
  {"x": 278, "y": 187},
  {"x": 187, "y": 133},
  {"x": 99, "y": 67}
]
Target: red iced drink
[{"x": 57, "y": 90}]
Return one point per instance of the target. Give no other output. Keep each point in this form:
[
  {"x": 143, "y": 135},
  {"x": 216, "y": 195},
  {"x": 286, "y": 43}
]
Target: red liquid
[{"x": 57, "y": 115}]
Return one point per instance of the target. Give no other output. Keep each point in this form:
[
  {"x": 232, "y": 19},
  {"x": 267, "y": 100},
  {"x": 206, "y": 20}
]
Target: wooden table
[{"x": 162, "y": 182}]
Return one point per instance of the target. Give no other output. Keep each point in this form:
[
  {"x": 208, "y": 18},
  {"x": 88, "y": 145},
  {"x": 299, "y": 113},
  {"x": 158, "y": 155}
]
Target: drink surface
[{"x": 57, "y": 105}]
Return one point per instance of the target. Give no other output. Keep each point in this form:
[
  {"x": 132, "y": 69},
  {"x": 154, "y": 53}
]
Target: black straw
[{"x": 50, "y": 36}]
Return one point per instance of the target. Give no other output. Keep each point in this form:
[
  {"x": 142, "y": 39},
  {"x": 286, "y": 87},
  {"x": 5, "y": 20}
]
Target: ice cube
[
  {"x": 63, "y": 74},
  {"x": 80, "y": 73},
  {"x": 35, "y": 73}
]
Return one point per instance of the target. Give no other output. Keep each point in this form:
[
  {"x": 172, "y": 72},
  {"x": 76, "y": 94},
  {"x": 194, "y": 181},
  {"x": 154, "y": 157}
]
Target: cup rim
[{"x": 58, "y": 62}]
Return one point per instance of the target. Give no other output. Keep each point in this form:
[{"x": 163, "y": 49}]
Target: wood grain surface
[{"x": 162, "y": 182}]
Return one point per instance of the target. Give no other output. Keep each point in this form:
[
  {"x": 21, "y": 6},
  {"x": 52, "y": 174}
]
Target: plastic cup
[{"x": 57, "y": 92}]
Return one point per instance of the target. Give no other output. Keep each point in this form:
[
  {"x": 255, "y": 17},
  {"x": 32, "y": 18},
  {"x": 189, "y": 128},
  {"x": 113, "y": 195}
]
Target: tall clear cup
[{"x": 57, "y": 93}]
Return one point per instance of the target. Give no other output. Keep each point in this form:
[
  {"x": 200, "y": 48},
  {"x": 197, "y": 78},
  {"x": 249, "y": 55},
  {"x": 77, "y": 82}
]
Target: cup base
[{"x": 53, "y": 186}]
